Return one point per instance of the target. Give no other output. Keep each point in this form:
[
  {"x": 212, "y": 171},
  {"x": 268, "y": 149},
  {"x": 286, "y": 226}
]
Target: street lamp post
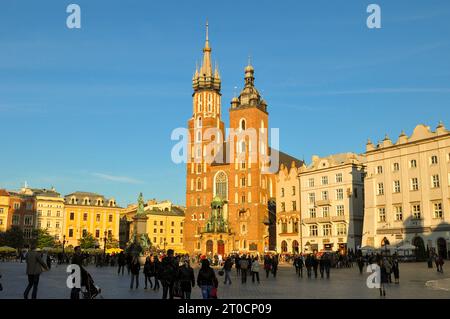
[
  {"x": 104, "y": 246},
  {"x": 63, "y": 244}
]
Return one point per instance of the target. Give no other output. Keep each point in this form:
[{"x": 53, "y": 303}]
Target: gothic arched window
[
  {"x": 242, "y": 124},
  {"x": 221, "y": 185}
]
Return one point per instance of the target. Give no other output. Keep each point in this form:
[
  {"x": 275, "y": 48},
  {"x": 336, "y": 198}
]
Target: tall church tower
[
  {"x": 206, "y": 114},
  {"x": 252, "y": 188}
]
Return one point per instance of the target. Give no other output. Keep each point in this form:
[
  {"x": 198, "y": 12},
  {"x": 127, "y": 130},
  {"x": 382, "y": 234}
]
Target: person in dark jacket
[
  {"x": 267, "y": 265},
  {"x": 77, "y": 259},
  {"x": 360, "y": 261},
  {"x": 396, "y": 269},
  {"x": 128, "y": 260},
  {"x": 135, "y": 268},
  {"x": 206, "y": 279},
  {"x": 237, "y": 263},
  {"x": 35, "y": 265},
  {"x": 326, "y": 264},
  {"x": 148, "y": 272},
  {"x": 227, "y": 269},
  {"x": 315, "y": 264},
  {"x": 121, "y": 262},
  {"x": 309, "y": 264},
  {"x": 244, "y": 265},
  {"x": 168, "y": 274},
  {"x": 384, "y": 279},
  {"x": 156, "y": 271},
  {"x": 187, "y": 279}
]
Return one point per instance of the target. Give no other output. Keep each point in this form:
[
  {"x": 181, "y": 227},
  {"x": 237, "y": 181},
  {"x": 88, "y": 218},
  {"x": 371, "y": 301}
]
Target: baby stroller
[{"x": 89, "y": 290}]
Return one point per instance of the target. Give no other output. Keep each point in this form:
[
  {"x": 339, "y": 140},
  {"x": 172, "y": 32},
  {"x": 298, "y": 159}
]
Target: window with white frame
[
  {"x": 16, "y": 220},
  {"x": 313, "y": 231},
  {"x": 339, "y": 178},
  {"x": 413, "y": 163},
  {"x": 380, "y": 170},
  {"x": 398, "y": 213},
  {"x": 327, "y": 230},
  {"x": 311, "y": 182},
  {"x": 381, "y": 214},
  {"x": 435, "y": 181},
  {"x": 380, "y": 189},
  {"x": 396, "y": 167},
  {"x": 311, "y": 198},
  {"x": 437, "y": 210},
  {"x": 340, "y": 194},
  {"x": 340, "y": 210},
  {"x": 324, "y": 180},
  {"x": 416, "y": 212},
  {"x": 341, "y": 229},
  {"x": 326, "y": 211},
  {"x": 414, "y": 184},
  {"x": 324, "y": 195},
  {"x": 397, "y": 187},
  {"x": 434, "y": 160},
  {"x": 312, "y": 213}
]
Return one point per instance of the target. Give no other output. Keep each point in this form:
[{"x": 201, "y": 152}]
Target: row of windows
[
  {"x": 161, "y": 240},
  {"x": 85, "y": 232},
  {"x": 200, "y": 217},
  {"x": 416, "y": 212},
  {"x": 327, "y": 230},
  {"x": 324, "y": 180},
  {"x": 28, "y": 205},
  {"x": 49, "y": 213},
  {"x": 433, "y": 160},
  {"x": 50, "y": 206},
  {"x": 339, "y": 195},
  {"x": 294, "y": 206},
  {"x": 326, "y": 211},
  {"x": 85, "y": 217},
  {"x": 161, "y": 223},
  {"x": 414, "y": 185},
  {"x": 87, "y": 201},
  {"x": 49, "y": 224},
  {"x": 161, "y": 230},
  {"x": 292, "y": 191},
  {"x": 284, "y": 227}
]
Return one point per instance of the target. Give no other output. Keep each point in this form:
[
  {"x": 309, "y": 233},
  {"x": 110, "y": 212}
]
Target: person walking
[
  {"x": 77, "y": 259},
  {"x": 227, "y": 269},
  {"x": 439, "y": 263},
  {"x": 396, "y": 269},
  {"x": 275, "y": 266},
  {"x": 237, "y": 264},
  {"x": 135, "y": 268},
  {"x": 35, "y": 265},
  {"x": 148, "y": 272},
  {"x": 267, "y": 265},
  {"x": 156, "y": 271},
  {"x": 187, "y": 279},
  {"x": 244, "y": 266},
  {"x": 168, "y": 274},
  {"x": 255, "y": 270},
  {"x": 128, "y": 260},
  {"x": 360, "y": 261},
  {"x": 121, "y": 262},
  {"x": 300, "y": 265},
  {"x": 315, "y": 264},
  {"x": 322, "y": 265},
  {"x": 308, "y": 264},
  {"x": 383, "y": 277},
  {"x": 326, "y": 261},
  {"x": 207, "y": 280}
]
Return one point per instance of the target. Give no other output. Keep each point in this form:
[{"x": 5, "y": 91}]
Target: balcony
[{"x": 324, "y": 202}]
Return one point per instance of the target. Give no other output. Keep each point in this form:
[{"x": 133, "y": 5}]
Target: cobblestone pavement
[{"x": 416, "y": 281}]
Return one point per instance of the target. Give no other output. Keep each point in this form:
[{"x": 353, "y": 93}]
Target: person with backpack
[
  {"x": 169, "y": 273},
  {"x": 244, "y": 266}
]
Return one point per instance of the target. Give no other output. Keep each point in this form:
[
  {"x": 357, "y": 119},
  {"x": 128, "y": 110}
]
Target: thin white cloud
[
  {"x": 388, "y": 90},
  {"x": 120, "y": 179}
]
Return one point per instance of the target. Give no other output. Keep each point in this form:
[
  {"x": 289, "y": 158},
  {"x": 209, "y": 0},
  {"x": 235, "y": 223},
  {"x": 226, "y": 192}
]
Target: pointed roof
[{"x": 205, "y": 78}]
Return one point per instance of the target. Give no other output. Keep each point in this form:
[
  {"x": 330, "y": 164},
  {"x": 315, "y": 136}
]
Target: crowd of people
[{"x": 175, "y": 275}]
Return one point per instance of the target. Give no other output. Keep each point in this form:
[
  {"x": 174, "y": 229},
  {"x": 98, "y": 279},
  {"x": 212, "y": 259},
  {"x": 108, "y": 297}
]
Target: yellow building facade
[
  {"x": 90, "y": 213},
  {"x": 4, "y": 210},
  {"x": 165, "y": 224}
]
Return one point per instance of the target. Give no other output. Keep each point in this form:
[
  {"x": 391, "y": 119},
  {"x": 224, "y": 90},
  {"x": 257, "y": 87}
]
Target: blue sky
[{"x": 93, "y": 109}]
